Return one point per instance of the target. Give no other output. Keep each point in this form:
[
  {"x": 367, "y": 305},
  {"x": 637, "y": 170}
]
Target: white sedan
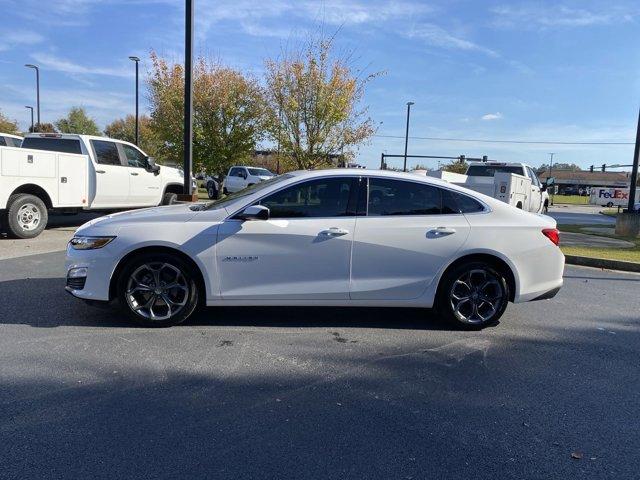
[{"x": 329, "y": 237}]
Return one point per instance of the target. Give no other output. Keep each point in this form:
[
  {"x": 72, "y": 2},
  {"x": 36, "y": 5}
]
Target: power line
[{"x": 534, "y": 142}]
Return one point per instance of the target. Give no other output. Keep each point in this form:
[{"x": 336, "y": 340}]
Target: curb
[{"x": 602, "y": 263}]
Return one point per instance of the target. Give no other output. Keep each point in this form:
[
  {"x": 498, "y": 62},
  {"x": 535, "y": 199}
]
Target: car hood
[{"x": 167, "y": 214}]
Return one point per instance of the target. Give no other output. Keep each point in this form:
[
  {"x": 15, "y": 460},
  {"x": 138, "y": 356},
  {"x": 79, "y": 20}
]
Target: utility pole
[
  {"x": 30, "y": 108},
  {"x": 406, "y": 136},
  {"x": 553, "y": 187},
  {"x": 136, "y": 60},
  {"x": 634, "y": 171},
  {"x": 188, "y": 97},
  {"x": 35, "y": 67}
]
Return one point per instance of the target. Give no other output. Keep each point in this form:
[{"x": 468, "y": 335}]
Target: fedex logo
[{"x": 613, "y": 193}]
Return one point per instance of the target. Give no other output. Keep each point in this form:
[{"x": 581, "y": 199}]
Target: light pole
[
  {"x": 634, "y": 171},
  {"x": 136, "y": 60},
  {"x": 35, "y": 67},
  {"x": 30, "y": 108},
  {"x": 406, "y": 136},
  {"x": 188, "y": 95},
  {"x": 550, "y": 170}
]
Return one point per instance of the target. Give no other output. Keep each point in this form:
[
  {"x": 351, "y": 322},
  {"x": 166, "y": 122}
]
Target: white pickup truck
[
  {"x": 514, "y": 183},
  {"x": 241, "y": 177},
  {"x": 69, "y": 173}
]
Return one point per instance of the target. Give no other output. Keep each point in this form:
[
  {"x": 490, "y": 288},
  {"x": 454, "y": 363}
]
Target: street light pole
[
  {"x": 30, "y": 108},
  {"x": 136, "y": 60},
  {"x": 406, "y": 136},
  {"x": 188, "y": 96},
  {"x": 35, "y": 67},
  {"x": 550, "y": 170},
  {"x": 634, "y": 171}
]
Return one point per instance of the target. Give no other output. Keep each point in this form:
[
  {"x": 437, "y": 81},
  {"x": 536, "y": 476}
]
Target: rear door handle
[
  {"x": 134, "y": 173},
  {"x": 334, "y": 232},
  {"x": 100, "y": 171},
  {"x": 440, "y": 232}
]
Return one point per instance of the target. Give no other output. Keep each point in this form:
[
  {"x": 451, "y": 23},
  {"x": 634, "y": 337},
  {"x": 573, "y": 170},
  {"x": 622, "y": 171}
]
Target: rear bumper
[{"x": 550, "y": 294}]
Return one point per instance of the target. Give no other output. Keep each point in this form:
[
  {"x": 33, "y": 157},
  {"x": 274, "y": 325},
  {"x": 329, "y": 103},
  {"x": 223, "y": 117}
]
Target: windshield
[
  {"x": 232, "y": 197},
  {"x": 491, "y": 170},
  {"x": 260, "y": 172}
]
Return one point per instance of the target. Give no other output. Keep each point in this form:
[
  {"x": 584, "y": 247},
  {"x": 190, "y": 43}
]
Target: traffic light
[
  {"x": 604, "y": 167},
  {"x": 591, "y": 168}
]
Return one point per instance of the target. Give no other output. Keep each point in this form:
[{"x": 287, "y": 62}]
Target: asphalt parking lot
[{"x": 317, "y": 392}]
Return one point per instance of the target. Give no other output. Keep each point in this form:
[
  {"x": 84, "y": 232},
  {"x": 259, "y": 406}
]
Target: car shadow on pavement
[{"x": 42, "y": 302}]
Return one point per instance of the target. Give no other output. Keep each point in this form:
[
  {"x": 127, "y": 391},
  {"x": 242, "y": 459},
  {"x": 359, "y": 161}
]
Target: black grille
[{"x": 76, "y": 283}]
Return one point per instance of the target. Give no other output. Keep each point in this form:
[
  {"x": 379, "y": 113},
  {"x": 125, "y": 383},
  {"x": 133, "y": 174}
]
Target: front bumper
[{"x": 99, "y": 264}]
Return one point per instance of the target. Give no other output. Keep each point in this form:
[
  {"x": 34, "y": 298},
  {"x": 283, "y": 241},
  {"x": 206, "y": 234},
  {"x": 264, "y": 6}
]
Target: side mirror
[
  {"x": 153, "y": 168},
  {"x": 543, "y": 187},
  {"x": 254, "y": 212}
]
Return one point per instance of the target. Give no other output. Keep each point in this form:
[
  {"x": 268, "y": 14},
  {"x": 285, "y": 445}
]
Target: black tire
[
  {"x": 519, "y": 205},
  {"x": 466, "y": 315},
  {"x": 140, "y": 270},
  {"x": 212, "y": 191},
  {"x": 27, "y": 216},
  {"x": 610, "y": 204},
  {"x": 169, "y": 198},
  {"x": 545, "y": 209}
]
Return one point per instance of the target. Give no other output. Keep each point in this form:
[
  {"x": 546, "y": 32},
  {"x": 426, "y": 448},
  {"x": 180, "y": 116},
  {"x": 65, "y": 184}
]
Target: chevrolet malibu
[{"x": 323, "y": 238}]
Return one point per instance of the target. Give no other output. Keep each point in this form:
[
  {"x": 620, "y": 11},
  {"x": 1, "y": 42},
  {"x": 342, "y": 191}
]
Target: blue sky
[{"x": 550, "y": 71}]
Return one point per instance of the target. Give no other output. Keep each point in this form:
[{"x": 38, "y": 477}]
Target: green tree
[
  {"x": 8, "y": 126},
  {"x": 456, "y": 166},
  {"x": 125, "y": 129},
  {"x": 77, "y": 121},
  {"x": 228, "y": 113},
  {"x": 43, "y": 128},
  {"x": 314, "y": 105},
  {"x": 228, "y": 117}
]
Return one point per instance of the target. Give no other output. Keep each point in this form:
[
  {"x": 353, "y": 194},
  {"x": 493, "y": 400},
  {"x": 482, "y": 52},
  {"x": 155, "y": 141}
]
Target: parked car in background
[
  {"x": 241, "y": 177},
  {"x": 330, "y": 237},
  {"x": 9, "y": 140},
  {"x": 69, "y": 173}
]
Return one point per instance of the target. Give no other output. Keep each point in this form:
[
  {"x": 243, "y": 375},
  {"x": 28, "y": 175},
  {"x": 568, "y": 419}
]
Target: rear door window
[
  {"x": 3, "y": 142},
  {"x": 106, "y": 153},
  {"x": 398, "y": 197},
  {"x": 454, "y": 202}
]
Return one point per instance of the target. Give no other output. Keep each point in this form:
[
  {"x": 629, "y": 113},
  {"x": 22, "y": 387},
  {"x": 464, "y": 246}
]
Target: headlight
[{"x": 89, "y": 243}]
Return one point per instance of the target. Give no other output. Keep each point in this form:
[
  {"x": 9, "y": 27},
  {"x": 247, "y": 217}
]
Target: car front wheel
[
  {"x": 473, "y": 295},
  {"x": 158, "y": 290}
]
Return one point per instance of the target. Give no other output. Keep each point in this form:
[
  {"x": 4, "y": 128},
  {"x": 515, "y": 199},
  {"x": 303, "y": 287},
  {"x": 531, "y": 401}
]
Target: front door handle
[
  {"x": 100, "y": 171},
  {"x": 334, "y": 232},
  {"x": 440, "y": 232},
  {"x": 134, "y": 173}
]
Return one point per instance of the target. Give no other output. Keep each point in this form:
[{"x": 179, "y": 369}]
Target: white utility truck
[
  {"x": 68, "y": 173},
  {"x": 514, "y": 183},
  {"x": 612, "y": 197},
  {"x": 241, "y": 177}
]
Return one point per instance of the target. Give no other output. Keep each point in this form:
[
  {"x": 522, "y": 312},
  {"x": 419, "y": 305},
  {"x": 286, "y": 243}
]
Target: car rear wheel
[
  {"x": 158, "y": 290},
  {"x": 169, "y": 198},
  {"x": 473, "y": 295}
]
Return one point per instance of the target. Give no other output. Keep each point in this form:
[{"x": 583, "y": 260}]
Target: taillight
[{"x": 552, "y": 234}]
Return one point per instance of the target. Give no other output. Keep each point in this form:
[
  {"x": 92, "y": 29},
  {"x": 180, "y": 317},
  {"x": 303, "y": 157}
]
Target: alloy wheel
[
  {"x": 476, "y": 296},
  {"x": 157, "y": 291}
]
